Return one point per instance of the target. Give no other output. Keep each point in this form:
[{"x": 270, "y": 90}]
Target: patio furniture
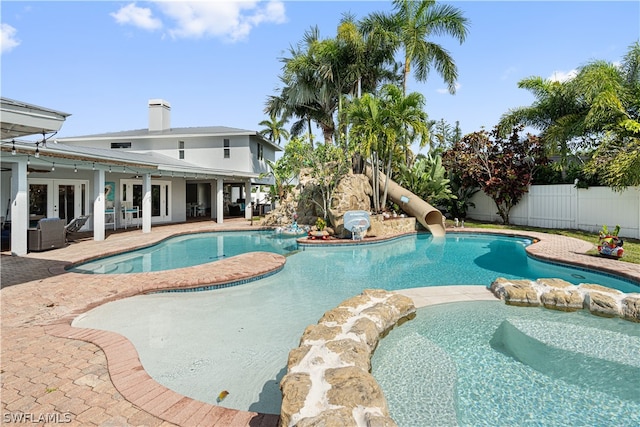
[
  {"x": 75, "y": 224},
  {"x": 128, "y": 212},
  {"x": 48, "y": 234}
]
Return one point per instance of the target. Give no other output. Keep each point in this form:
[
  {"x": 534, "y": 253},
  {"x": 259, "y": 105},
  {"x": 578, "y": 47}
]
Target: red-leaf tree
[{"x": 502, "y": 168}]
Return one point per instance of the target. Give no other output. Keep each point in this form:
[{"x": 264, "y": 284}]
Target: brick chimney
[{"x": 159, "y": 115}]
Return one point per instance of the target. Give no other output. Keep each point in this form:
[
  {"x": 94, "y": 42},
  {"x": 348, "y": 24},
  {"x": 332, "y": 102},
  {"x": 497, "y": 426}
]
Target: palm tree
[
  {"x": 274, "y": 129},
  {"x": 557, "y": 113},
  {"x": 385, "y": 124},
  {"x": 412, "y": 23}
]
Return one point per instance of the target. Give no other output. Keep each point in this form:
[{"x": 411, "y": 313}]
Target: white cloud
[
  {"x": 446, "y": 90},
  {"x": 140, "y": 17},
  {"x": 229, "y": 20},
  {"x": 9, "y": 40},
  {"x": 562, "y": 76}
]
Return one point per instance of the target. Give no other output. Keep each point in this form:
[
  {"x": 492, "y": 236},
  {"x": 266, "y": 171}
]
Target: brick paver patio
[{"x": 53, "y": 372}]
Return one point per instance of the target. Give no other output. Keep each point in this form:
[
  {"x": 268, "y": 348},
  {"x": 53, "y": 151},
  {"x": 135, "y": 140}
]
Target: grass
[{"x": 631, "y": 246}]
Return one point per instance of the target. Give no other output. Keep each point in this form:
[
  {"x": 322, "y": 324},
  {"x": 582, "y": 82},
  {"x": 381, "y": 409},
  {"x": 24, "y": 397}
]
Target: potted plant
[
  {"x": 609, "y": 244},
  {"x": 320, "y": 232}
]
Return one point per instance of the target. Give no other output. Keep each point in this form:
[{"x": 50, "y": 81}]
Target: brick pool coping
[{"x": 53, "y": 303}]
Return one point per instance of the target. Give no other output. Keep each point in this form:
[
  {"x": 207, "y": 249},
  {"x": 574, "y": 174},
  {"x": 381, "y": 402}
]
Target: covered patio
[{"x": 114, "y": 189}]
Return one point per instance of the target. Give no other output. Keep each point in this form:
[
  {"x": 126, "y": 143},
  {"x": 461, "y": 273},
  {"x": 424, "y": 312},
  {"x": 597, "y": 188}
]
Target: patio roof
[{"x": 19, "y": 119}]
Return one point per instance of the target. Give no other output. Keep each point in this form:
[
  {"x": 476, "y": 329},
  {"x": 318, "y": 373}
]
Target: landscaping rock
[
  {"x": 562, "y": 300},
  {"x": 631, "y": 308},
  {"x": 335, "y": 358}
]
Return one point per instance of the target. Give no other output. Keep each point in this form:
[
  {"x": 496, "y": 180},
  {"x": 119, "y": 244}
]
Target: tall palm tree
[
  {"x": 412, "y": 23},
  {"x": 274, "y": 129}
]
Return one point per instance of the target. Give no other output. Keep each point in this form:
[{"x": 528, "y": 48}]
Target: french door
[
  {"x": 61, "y": 198},
  {"x": 160, "y": 198}
]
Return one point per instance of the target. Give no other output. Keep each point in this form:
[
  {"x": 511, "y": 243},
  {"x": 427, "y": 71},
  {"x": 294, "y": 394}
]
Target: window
[
  {"x": 120, "y": 145},
  {"x": 181, "y": 150},
  {"x": 227, "y": 151},
  {"x": 260, "y": 153}
]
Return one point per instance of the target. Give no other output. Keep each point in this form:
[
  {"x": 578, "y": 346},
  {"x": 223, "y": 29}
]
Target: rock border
[
  {"x": 559, "y": 294},
  {"x": 328, "y": 380}
]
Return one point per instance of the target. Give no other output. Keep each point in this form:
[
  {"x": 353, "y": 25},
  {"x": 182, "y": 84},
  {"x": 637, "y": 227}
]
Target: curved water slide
[{"x": 430, "y": 217}]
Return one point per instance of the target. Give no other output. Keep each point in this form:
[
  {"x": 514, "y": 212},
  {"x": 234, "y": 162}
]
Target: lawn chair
[{"x": 75, "y": 225}]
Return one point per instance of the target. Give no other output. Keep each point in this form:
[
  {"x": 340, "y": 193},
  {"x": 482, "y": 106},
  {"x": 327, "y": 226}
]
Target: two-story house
[{"x": 130, "y": 178}]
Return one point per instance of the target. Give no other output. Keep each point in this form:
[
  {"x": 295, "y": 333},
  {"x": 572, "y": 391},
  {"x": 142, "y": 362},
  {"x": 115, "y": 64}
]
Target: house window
[
  {"x": 120, "y": 145},
  {"x": 227, "y": 151},
  {"x": 181, "y": 150},
  {"x": 260, "y": 153}
]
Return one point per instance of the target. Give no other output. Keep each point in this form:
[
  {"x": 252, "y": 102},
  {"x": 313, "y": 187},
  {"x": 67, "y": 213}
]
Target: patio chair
[
  {"x": 48, "y": 234},
  {"x": 75, "y": 224}
]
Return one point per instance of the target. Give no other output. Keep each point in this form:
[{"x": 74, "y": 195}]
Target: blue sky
[{"x": 217, "y": 62}]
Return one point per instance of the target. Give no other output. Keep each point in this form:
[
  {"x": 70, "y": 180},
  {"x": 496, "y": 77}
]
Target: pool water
[
  {"x": 187, "y": 251},
  {"x": 238, "y": 338},
  {"x": 462, "y": 364}
]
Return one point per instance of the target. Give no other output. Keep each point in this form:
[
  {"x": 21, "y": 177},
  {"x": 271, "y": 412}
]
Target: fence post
[{"x": 576, "y": 205}]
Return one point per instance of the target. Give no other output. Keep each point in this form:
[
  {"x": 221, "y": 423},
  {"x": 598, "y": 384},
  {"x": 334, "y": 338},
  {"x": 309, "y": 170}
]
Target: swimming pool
[
  {"x": 187, "y": 251},
  {"x": 238, "y": 338},
  {"x": 460, "y": 364}
]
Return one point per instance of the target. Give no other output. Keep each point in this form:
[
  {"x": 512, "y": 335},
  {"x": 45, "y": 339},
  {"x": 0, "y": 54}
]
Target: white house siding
[{"x": 564, "y": 206}]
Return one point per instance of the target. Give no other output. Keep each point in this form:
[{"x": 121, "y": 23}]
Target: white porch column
[
  {"x": 19, "y": 208},
  {"x": 213, "y": 198},
  {"x": 219, "y": 200},
  {"x": 98, "y": 205},
  {"x": 146, "y": 203},
  {"x": 247, "y": 200}
]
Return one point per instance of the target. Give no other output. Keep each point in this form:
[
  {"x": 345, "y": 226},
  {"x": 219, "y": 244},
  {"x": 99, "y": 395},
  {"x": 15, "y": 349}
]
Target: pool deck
[{"x": 50, "y": 369}]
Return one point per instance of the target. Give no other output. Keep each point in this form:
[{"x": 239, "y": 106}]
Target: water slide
[{"x": 430, "y": 217}]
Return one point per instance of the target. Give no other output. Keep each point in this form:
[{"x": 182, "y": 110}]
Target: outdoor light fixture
[
  {"x": 37, "y": 154},
  {"x": 124, "y": 169},
  {"x": 109, "y": 168},
  {"x": 75, "y": 169},
  {"x": 53, "y": 166},
  {"x": 28, "y": 160},
  {"x": 93, "y": 166},
  {"x": 13, "y": 147}
]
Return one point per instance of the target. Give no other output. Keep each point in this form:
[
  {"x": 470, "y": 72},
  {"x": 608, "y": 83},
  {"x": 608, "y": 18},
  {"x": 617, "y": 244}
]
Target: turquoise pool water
[
  {"x": 238, "y": 338},
  {"x": 488, "y": 364},
  {"x": 187, "y": 251},
  {"x": 410, "y": 261}
]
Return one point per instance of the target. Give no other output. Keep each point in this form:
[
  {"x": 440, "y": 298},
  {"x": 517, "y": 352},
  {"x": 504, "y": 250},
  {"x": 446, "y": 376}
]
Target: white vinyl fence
[{"x": 565, "y": 206}]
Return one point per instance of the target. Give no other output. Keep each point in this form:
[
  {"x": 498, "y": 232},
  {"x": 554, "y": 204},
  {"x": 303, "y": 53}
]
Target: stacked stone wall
[
  {"x": 328, "y": 381},
  {"x": 561, "y": 295}
]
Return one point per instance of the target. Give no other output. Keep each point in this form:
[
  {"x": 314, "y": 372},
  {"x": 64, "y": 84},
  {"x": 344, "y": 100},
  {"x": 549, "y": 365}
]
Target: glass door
[
  {"x": 64, "y": 198},
  {"x": 160, "y": 198}
]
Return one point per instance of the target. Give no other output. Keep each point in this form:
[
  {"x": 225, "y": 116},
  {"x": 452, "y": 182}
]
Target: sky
[{"x": 216, "y": 62}]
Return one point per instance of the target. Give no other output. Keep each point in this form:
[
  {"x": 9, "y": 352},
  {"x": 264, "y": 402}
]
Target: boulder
[
  {"x": 353, "y": 387},
  {"x": 295, "y": 389},
  {"x": 352, "y": 193},
  {"x": 631, "y": 307},
  {"x": 516, "y": 292},
  {"x": 562, "y": 300},
  {"x": 602, "y": 304}
]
